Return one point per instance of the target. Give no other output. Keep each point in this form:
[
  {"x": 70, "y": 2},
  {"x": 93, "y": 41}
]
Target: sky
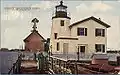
[{"x": 16, "y": 18}]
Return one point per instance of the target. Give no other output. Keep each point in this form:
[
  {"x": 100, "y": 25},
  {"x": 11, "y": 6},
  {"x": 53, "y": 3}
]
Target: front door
[
  {"x": 81, "y": 50},
  {"x": 65, "y": 48}
]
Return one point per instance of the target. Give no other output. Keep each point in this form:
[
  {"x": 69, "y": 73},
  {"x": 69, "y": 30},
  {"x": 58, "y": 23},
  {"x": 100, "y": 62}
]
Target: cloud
[
  {"x": 81, "y": 7},
  {"x": 98, "y": 6},
  {"x": 11, "y": 33},
  {"x": 44, "y": 5},
  {"x": 10, "y": 15},
  {"x": 94, "y": 7}
]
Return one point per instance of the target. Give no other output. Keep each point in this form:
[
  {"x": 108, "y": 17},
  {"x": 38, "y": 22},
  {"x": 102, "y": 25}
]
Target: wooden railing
[
  {"x": 63, "y": 66},
  {"x": 59, "y": 65}
]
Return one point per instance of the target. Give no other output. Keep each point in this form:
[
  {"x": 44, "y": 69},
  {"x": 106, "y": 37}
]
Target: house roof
[
  {"x": 34, "y": 32},
  {"x": 91, "y": 18},
  {"x": 117, "y": 68},
  {"x": 100, "y": 56}
]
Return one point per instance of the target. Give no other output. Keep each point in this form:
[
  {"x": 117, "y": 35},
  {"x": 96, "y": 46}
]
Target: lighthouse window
[
  {"x": 55, "y": 35},
  {"x": 62, "y": 22},
  {"x": 57, "y": 46},
  {"x": 61, "y": 9}
]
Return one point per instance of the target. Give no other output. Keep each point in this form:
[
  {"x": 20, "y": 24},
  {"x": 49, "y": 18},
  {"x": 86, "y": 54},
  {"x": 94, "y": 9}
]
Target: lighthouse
[{"x": 60, "y": 27}]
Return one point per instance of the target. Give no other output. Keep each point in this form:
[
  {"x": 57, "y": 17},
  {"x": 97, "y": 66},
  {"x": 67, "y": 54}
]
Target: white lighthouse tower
[{"x": 60, "y": 27}]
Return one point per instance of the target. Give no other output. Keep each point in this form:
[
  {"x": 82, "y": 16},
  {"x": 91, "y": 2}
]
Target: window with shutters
[
  {"x": 100, "y": 47},
  {"x": 100, "y": 32},
  {"x": 62, "y": 22},
  {"x": 82, "y": 31}
]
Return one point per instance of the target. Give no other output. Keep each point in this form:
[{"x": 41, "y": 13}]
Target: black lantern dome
[{"x": 61, "y": 11}]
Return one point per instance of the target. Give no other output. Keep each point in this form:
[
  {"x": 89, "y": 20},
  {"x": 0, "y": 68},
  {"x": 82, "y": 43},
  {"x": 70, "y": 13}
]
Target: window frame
[
  {"x": 58, "y": 46},
  {"x": 55, "y": 35},
  {"x": 101, "y": 47},
  {"x": 62, "y": 22},
  {"x": 100, "y": 32},
  {"x": 82, "y": 49},
  {"x": 80, "y": 32}
]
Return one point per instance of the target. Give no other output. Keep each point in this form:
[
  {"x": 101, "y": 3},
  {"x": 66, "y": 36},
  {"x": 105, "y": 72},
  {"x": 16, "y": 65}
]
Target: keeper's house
[{"x": 84, "y": 37}]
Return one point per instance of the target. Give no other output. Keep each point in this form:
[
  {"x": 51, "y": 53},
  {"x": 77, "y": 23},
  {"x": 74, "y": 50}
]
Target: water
[{"x": 6, "y": 61}]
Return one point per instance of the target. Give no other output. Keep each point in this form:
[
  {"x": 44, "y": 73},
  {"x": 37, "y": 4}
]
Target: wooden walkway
[{"x": 30, "y": 67}]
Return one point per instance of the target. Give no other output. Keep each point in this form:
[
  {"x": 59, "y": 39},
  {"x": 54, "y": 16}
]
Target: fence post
[
  {"x": 14, "y": 68},
  {"x": 76, "y": 68},
  {"x": 52, "y": 63}
]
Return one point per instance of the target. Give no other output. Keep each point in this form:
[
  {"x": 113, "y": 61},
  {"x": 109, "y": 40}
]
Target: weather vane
[
  {"x": 61, "y": 2},
  {"x": 35, "y": 20}
]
